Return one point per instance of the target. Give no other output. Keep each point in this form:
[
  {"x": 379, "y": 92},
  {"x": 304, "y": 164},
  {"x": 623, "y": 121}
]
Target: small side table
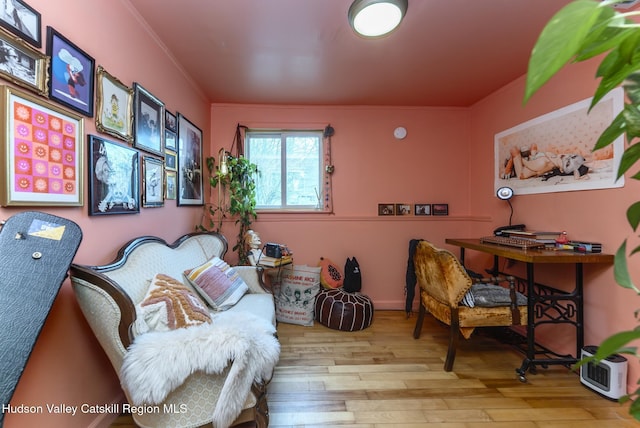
[{"x": 272, "y": 275}]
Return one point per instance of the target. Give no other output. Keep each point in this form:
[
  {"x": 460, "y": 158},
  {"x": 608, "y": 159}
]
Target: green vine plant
[
  {"x": 236, "y": 199},
  {"x": 581, "y": 31}
]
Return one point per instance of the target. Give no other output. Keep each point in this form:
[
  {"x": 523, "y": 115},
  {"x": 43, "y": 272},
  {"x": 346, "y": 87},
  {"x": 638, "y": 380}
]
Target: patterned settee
[{"x": 199, "y": 392}]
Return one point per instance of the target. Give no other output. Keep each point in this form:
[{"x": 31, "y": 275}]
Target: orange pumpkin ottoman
[{"x": 339, "y": 310}]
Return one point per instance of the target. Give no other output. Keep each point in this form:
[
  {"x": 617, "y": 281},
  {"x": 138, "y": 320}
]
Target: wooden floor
[{"x": 382, "y": 377}]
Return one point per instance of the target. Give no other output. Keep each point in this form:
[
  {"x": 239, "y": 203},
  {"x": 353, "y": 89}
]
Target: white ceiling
[{"x": 445, "y": 52}]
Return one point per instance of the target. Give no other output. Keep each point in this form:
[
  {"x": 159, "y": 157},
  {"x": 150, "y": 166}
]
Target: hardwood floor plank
[{"x": 383, "y": 378}]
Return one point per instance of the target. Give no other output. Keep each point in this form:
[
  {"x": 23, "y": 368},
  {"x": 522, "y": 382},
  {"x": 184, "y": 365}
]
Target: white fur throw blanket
[{"x": 158, "y": 362}]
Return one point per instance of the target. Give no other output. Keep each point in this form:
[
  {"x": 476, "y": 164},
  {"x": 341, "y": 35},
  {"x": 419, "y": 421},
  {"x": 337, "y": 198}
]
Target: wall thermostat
[{"x": 400, "y": 132}]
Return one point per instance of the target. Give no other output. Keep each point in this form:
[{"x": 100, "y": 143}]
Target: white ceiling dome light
[{"x": 375, "y": 18}]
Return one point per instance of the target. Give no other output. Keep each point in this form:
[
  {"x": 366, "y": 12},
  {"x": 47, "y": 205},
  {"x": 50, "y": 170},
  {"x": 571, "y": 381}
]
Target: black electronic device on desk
[
  {"x": 275, "y": 255},
  {"x": 503, "y": 230}
]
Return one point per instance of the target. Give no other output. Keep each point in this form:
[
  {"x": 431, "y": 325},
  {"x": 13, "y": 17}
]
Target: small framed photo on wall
[
  {"x": 171, "y": 185},
  {"x": 152, "y": 182},
  {"x": 170, "y": 160},
  {"x": 170, "y": 140},
  {"x": 422, "y": 209},
  {"x": 22, "y": 20},
  {"x": 114, "y": 106},
  {"x": 386, "y": 209},
  {"x": 23, "y": 65},
  {"x": 440, "y": 209},
  {"x": 148, "y": 121},
  {"x": 170, "y": 121},
  {"x": 403, "y": 209}
]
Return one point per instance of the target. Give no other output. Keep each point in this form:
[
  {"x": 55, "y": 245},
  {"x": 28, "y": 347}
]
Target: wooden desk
[{"x": 546, "y": 305}]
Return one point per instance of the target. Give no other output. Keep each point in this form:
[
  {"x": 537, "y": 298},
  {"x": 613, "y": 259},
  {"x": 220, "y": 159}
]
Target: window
[{"x": 290, "y": 168}]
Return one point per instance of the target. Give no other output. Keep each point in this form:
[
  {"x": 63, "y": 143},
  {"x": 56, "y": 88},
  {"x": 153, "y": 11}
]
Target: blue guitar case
[{"x": 36, "y": 250}]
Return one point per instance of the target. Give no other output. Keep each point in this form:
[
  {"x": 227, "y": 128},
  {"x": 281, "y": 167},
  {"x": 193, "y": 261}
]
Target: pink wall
[
  {"x": 67, "y": 364},
  {"x": 429, "y": 166},
  {"x": 595, "y": 215},
  {"x": 447, "y": 157}
]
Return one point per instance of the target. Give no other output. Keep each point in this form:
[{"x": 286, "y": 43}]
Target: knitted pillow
[
  {"x": 217, "y": 283},
  {"x": 169, "y": 305}
]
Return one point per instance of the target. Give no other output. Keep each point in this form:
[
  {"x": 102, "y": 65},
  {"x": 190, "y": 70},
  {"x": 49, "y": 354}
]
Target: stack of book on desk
[
  {"x": 547, "y": 238},
  {"x": 273, "y": 261}
]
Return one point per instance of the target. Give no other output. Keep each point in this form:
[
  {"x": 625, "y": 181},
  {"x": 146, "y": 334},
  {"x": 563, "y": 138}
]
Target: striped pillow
[
  {"x": 169, "y": 305},
  {"x": 218, "y": 283}
]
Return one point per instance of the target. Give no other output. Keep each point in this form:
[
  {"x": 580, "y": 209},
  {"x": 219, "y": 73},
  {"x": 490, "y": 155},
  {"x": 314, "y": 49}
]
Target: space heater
[{"x": 608, "y": 377}]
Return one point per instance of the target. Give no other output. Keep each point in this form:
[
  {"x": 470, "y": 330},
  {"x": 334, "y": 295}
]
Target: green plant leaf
[
  {"x": 633, "y": 215},
  {"x": 629, "y": 158},
  {"x": 620, "y": 270},
  {"x": 632, "y": 121},
  {"x": 606, "y": 34},
  {"x": 616, "y": 344},
  {"x": 614, "y": 76},
  {"x": 613, "y": 131},
  {"x": 632, "y": 87},
  {"x": 556, "y": 46},
  {"x": 634, "y": 251}
]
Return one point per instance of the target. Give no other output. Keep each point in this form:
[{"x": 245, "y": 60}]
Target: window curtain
[{"x": 327, "y": 195}]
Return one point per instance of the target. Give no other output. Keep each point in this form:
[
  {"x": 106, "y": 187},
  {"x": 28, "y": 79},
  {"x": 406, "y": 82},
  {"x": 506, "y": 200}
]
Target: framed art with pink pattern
[{"x": 42, "y": 152}]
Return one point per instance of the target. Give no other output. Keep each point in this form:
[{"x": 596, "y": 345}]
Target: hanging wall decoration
[
  {"x": 72, "y": 74},
  {"x": 190, "y": 186},
  {"x": 553, "y": 152},
  {"x": 41, "y": 153}
]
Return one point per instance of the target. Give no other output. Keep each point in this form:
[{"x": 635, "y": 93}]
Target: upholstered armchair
[{"x": 444, "y": 283}]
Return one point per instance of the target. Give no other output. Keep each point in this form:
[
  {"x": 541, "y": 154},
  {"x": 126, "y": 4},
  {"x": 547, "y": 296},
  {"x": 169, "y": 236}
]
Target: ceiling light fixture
[{"x": 374, "y": 18}]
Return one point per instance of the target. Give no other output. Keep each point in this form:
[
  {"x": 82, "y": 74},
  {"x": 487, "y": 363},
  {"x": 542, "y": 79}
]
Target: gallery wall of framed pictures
[{"x": 144, "y": 154}]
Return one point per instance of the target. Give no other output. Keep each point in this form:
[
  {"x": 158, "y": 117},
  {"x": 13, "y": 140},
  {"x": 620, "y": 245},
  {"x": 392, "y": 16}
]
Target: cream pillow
[{"x": 169, "y": 305}]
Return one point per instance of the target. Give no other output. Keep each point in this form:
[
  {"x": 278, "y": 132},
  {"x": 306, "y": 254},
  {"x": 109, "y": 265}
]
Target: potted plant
[
  {"x": 234, "y": 178},
  {"x": 580, "y": 31}
]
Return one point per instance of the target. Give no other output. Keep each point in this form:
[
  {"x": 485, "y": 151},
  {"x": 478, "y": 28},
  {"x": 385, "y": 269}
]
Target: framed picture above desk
[{"x": 545, "y": 304}]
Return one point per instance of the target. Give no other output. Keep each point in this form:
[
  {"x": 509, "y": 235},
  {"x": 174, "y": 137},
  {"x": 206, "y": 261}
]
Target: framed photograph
[
  {"x": 114, "y": 178},
  {"x": 440, "y": 209},
  {"x": 152, "y": 182},
  {"x": 190, "y": 190},
  {"x": 170, "y": 121},
  {"x": 171, "y": 185},
  {"x": 72, "y": 74},
  {"x": 171, "y": 160},
  {"x": 386, "y": 209},
  {"x": 422, "y": 209},
  {"x": 23, "y": 65},
  {"x": 42, "y": 154},
  {"x": 114, "y": 106},
  {"x": 403, "y": 209},
  {"x": 170, "y": 140},
  {"x": 22, "y": 20},
  {"x": 148, "y": 121}
]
